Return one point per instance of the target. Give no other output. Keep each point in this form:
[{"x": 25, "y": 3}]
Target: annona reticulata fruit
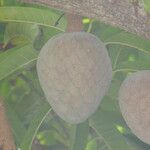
[
  {"x": 134, "y": 101},
  {"x": 75, "y": 72}
]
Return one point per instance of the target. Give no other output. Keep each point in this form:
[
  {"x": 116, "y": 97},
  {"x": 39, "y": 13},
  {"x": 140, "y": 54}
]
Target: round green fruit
[
  {"x": 75, "y": 72},
  {"x": 134, "y": 100}
]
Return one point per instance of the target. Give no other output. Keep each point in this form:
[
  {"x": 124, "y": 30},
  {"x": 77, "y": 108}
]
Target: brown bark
[
  {"x": 6, "y": 138},
  {"x": 121, "y": 13},
  {"x": 74, "y": 23}
]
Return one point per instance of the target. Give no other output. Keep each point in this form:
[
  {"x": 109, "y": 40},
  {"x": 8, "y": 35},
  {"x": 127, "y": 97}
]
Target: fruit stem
[{"x": 74, "y": 23}]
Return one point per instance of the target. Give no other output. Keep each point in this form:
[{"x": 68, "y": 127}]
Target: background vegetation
[{"x": 23, "y": 31}]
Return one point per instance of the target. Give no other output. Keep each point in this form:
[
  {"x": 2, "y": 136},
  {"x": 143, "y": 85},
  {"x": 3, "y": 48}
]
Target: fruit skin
[
  {"x": 75, "y": 72},
  {"x": 134, "y": 101}
]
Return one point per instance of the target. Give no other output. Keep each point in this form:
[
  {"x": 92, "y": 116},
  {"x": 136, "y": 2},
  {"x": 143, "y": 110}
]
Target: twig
[
  {"x": 119, "y": 13},
  {"x": 74, "y": 22},
  {"x": 6, "y": 137}
]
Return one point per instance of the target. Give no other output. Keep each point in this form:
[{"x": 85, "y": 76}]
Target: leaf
[
  {"x": 130, "y": 40},
  {"x": 2, "y": 29},
  {"x": 20, "y": 33},
  {"x": 104, "y": 123},
  {"x": 112, "y": 35},
  {"x": 79, "y": 134},
  {"x": 5, "y": 88},
  {"x": 17, "y": 127},
  {"x": 25, "y": 106},
  {"x": 45, "y": 34},
  {"x": 9, "y": 2},
  {"x": 92, "y": 145},
  {"x": 110, "y": 103},
  {"x": 114, "y": 53},
  {"x": 34, "y": 126},
  {"x": 133, "y": 66},
  {"x": 15, "y": 59},
  {"x": 138, "y": 144},
  {"x": 47, "y": 137},
  {"x": 44, "y": 17},
  {"x": 147, "y": 5},
  {"x": 119, "y": 54}
]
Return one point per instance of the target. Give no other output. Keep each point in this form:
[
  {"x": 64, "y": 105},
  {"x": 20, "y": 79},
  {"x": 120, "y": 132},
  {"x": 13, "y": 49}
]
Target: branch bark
[
  {"x": 6, "y": 138},
  {"x": 74, "y": 23},
  {"x": 120, "y": 13}
]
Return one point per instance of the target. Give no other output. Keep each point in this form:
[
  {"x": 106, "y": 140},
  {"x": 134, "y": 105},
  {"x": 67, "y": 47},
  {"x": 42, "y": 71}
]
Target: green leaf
[
  {"x": 9, "y": 2},
  {"x": 34, "y": 126},
  {"x": 17, "y": 126},
  {"x": 2, "y": 29},
  {"x": 147, "y": 5},
  {"x": 16, "y": 58},
  {"x": 1, "y": 2},
  {"x": 112, "y": 95},
  {"x": 5, "y": 88},
  {"x": 105, "y": 125},
  {"x": 110, "y": 103},
  {"x": 119, "y": 54},
  {"x": 25, "y": 106},
  {"x": 132, "y": 66},
  {"x": 45, "y": 34},
  {"x": 130, "y": 40},
  {"x": 137, "y": 143},
  {"x": 79, "y": 136},
  {"x": 20, "y": 33},
  {"x": 47, "y": 137},
  {"x": 37, "y": 16},
  {"x": 112, "y": 35},
  {"x": 92, "y": 145},
  {"x": 114, "y": 53}
]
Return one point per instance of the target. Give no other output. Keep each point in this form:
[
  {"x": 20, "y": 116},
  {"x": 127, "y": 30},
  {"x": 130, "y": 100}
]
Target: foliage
[
  {"x": 23, "y": 31},
  {"x": 147, "y": 6}
]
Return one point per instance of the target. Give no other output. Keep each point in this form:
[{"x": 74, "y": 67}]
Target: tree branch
[
  {"x": 6, "y": 138},
  {"x": 74, "y": 23},
  {"x": 120, "y": 13}
]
